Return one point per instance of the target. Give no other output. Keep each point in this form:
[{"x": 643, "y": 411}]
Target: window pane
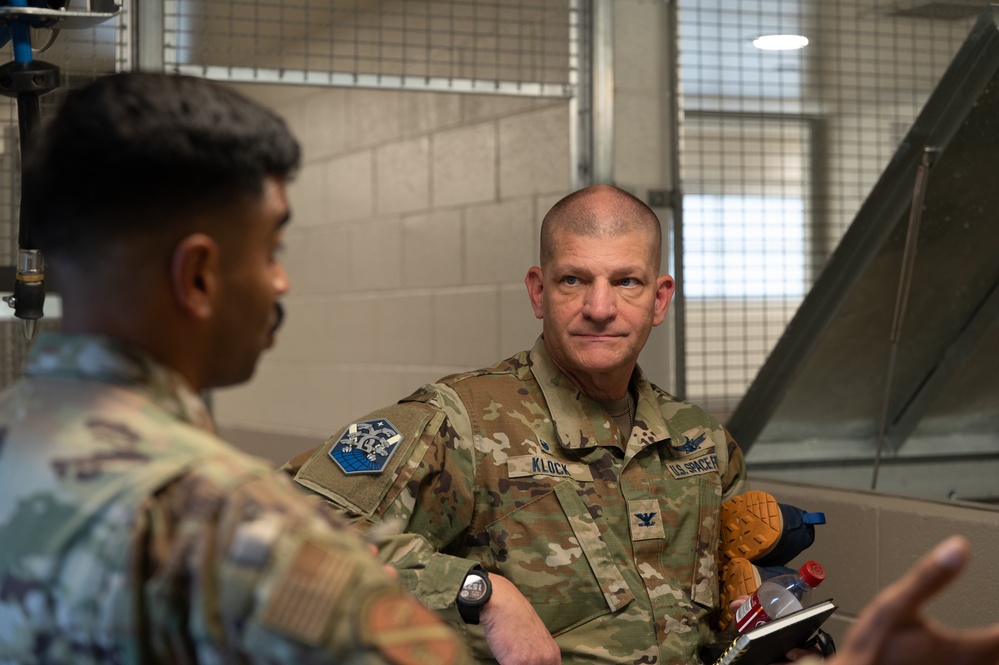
[{"x": 760, "y": 241}]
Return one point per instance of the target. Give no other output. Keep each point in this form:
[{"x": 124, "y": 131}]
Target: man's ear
[
  {"x": 535, "y": 282},
  {"x": 194, "y": 275},
  {"x": 665, "y": 287}
]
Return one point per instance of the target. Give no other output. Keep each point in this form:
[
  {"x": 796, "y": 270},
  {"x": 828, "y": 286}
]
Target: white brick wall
[
  {"x": 464, "y": 165},
  {"x": 430, "y": 241},
  {"x": 415, "y": 219},
  {"x": 402, "y": 176}
]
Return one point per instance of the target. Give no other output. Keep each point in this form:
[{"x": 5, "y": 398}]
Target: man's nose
[
  {"x": 601, "y": 301},
  {"x": 281, "y": 280}
]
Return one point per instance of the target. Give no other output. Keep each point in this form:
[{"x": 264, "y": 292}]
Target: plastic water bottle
[{"x": 778, "y": 596}]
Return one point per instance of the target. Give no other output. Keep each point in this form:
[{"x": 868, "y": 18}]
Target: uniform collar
[
  {"x": 579, "y": 421},
  {"x": 106, "y": 360}
]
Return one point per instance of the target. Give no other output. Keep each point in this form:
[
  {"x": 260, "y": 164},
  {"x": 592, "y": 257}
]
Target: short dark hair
[
  {"x": 613, "y": 212},
  {"x": 135, "y": 153}
]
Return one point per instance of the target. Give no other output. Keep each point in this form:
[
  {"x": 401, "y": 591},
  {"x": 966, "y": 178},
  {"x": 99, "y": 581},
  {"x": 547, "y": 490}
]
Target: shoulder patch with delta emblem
[
  {"x": 692, "y": 441},
  {"x": 366, "y": 446}
]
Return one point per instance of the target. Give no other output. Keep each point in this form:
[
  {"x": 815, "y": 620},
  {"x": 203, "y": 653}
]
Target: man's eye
[
  {"x": 571, "y": 281},
  {"x": 628, "y": 281}
]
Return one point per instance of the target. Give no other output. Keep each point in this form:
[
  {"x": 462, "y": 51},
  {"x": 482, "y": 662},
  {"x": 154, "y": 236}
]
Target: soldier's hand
[
  {"x": 891, "y": 630},
  {"x": 513, "y": 630},
  {"x": 373, "y": 551}
]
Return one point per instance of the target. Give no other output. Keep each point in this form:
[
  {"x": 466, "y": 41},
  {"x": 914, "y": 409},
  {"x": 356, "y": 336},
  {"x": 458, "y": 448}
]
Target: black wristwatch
[{"x": 475, "y": 591}]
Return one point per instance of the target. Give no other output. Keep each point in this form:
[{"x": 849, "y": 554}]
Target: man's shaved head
[{"x": 599, "y": 210}]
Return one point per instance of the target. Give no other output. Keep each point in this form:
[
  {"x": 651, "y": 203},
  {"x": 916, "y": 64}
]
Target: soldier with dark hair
[
  {"x": 557, "y": 506},
  {"x": 129, "y": 533}
]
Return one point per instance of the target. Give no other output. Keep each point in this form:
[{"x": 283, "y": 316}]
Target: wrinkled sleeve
[
  {"x": 436, "y": 506},
  {"x": 419, "y": 508},
  {"x": 236, "y": 566}
]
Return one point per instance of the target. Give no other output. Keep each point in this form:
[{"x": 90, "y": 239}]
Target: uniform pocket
[{"x": 553, "y": 550}]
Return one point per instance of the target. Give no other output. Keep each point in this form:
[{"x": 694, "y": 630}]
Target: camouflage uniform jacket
[
  {"x": 513, "y": 468},
  {"x": 129, "y": 533}
]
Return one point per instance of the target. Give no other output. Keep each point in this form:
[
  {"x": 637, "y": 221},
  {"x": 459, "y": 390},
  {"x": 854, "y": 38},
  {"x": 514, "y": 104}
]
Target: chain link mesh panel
[
  {"x": 519, "y": 47},
  {"x": 780, "y": 149}
]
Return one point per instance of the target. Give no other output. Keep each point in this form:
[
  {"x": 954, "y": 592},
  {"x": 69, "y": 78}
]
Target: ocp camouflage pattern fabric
[
  {"x": 129, "y": 533},
  {"x": 613, "y": 541}
]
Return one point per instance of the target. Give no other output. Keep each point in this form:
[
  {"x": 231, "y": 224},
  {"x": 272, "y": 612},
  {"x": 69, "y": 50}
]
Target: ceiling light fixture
[{"x": 780, "y": 42}]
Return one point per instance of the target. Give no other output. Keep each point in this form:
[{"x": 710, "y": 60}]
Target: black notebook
[{"x": 769, "y": 642}]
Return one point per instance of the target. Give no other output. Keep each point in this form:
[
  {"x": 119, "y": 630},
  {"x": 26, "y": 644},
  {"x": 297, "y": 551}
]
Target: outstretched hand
[{"x": 892, "y": 631}]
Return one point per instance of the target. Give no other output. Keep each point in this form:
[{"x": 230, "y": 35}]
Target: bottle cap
[{"x": 812, "y": 573}]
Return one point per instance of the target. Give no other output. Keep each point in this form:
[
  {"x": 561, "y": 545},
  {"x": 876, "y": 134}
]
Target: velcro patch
[
  {"x": 302, "y": 604},
  {"x": 536, "y": 465},
  {"x": 696, "y": 466},
  {"x": 363, "y": 492},
  {"x": 694, "y": 440},
  {"x": 646, "y": 520},
  {"x": 366, "y": 446},
  {"x": 406, "y": 632}
]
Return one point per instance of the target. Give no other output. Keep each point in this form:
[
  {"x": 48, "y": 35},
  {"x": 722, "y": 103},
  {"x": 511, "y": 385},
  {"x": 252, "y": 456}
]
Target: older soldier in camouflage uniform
[
  {"x": 590, "y": 495},
  {"x": 129, "y": 533}
]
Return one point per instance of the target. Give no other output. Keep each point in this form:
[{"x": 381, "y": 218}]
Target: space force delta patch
[{"x": 366, "y": 447}]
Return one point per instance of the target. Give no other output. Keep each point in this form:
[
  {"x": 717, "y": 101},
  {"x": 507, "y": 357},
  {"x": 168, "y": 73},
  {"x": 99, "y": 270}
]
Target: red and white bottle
[{"x": 778, "y": 596}]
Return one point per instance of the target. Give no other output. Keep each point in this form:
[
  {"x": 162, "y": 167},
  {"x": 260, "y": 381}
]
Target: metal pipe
[
  {"x": 675, "y": 235},
  {"x": 902, "y": 299},
  {"x": 603, "y": 91}
]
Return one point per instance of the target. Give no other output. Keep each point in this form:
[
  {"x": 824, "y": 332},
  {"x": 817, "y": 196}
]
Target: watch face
[{"x": 473, "y": 590}]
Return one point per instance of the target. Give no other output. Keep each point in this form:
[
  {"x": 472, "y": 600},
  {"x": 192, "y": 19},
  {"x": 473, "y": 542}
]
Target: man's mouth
[
  {"x": 597, "y": 336},
  {"x": 278, "y": 318}
]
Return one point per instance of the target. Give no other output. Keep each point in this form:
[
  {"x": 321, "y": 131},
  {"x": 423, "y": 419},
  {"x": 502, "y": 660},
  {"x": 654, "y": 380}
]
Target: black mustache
[{"x": 278, "y": 317}]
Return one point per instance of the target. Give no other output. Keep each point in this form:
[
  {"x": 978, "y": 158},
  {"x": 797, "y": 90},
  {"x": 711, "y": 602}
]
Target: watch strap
[{"x": 470, "y": 614}]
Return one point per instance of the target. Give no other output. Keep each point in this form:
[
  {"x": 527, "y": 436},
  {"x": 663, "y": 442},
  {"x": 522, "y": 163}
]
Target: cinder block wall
[
  {"x": 871, "y": 539},
  {"x": 415, "y": 219}
]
